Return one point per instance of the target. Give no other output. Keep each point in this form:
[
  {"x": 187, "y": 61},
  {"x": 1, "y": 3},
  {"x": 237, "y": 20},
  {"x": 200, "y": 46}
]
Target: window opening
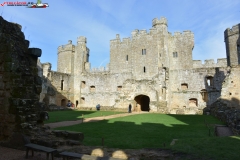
[
  {"x": 83, "y": 84},
  {"x": 175, "y": 54},
  {"x": 82, "y": 101},
  {"x": 144, "y": 69},
  {"x": 92, "y": 88},
  {"x": 184, "y": 86},
  {"x": 62, "y": 84},
  {"x": 210, "y": 81},
  {"x": 127, "y": 58},
  {"x": 143, "y": 51},
  {"x": 119, "y": 88}
]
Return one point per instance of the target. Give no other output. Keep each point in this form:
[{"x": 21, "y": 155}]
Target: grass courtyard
[
  {"x": 72, "y": 115},
  {"x": 154, "y": 130}
]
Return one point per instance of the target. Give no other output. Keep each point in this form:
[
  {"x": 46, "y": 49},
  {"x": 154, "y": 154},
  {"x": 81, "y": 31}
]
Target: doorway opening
[{"x": 143, "y": 101}]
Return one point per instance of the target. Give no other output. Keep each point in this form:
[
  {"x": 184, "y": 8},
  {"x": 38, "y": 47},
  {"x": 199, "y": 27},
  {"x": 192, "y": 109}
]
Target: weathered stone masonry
[
  {"x": 153, "y": 70},
  {"x": 20, "y": 84}
]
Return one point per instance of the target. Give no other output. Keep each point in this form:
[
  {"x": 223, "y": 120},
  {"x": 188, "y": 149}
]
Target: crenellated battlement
[
  {"x": 67, "y": 47},
  {"x": 222, "y": 62},
  {"x": 159, "y": 22},
  {"x": 81, "y": 40},
  {"x": 232, "y": 31}
]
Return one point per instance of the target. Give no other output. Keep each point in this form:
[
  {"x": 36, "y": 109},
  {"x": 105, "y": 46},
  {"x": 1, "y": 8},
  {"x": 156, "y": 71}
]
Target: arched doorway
[
  {"x": 63, "y": 102},
  {"x": 143, "y": 101}
]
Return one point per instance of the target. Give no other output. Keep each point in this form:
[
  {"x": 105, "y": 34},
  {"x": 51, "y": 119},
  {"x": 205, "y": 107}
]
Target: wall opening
[
  {"x": 175, "y": 54},
  {"x": 143, "y": 51},
  {"x": 92, "y": 89},
  {"x": 119, "y": 88},
  {"x": 62, "y": 84},
  {"x": 204, "y": 94},
  {"x": 209, "y": 80},
  {"x": 76, "y": 103},
  {"x": 127, "y": 58},
  {"x": 184, "y": 86},
  {"x": 63, "y": 102},
  {"x": 83, "y": 84},
  {"x": 144, "y": 69},
  {"x": 82, "y": 101},
  {"x": 143, "y": 102},
  {"x": 193, "y": 102}
]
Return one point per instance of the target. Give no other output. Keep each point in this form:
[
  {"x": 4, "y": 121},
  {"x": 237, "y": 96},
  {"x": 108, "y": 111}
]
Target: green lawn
[
  {"x": 153, "y": 130},
  {"x": 72, "y": 115}
]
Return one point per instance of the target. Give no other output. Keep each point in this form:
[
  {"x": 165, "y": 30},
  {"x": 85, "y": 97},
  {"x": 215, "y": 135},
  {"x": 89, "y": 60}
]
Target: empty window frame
[
  {"x": 82, "y": 101},
  {"x": 83, "y": 84},
  {"x": 92, "y": 89},
  {"x": 175, "y": 54},
  {"x": 209, "y": 80},
  {"x": 143, "y": 51},
  {"x": 184, "y": 86},
  {"x": 119, "y": 88}
]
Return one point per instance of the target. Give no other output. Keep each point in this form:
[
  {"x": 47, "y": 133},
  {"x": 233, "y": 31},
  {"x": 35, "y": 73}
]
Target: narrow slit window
[
  {"x": 62, "y": 84},
  {"x": 238, "y": 49},
  {"x": 144, "y": 69},
  {"x": 127, "y": 58}
]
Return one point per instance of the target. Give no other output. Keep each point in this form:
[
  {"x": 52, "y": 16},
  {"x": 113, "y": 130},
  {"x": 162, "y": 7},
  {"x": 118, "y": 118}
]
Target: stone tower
[
  {"x": 65, "y": 57},
  {"x": 81, "y": 59},
  {"x": 232, "y": 41}
]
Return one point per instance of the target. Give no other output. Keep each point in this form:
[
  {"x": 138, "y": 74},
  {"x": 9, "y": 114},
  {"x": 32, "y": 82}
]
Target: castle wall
[
  {"x": 20, "y": 84},
  {"x": 180, "y": 47},
  {"x": 155, "y": 64},
  {"x": 193, "y": 84}
]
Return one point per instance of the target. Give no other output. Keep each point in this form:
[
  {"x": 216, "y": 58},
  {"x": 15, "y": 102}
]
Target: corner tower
[
  {"x": 232, "y": 41},
  {"x": 65, "y": 57}
]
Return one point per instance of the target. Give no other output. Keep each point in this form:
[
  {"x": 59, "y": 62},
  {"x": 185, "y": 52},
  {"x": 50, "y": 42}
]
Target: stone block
[
  {"x": 35, "y": 52},
  {"x": 75, "y": 136}
]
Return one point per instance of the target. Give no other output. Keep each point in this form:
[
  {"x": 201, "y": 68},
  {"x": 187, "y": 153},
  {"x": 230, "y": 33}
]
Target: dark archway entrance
[
  {"x": 63, "y": 102},
  {"x": 143, "y": 101}
]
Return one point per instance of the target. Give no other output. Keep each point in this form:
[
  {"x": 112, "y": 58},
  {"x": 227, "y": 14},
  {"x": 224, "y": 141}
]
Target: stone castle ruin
[{"x": 153, "y": 71}]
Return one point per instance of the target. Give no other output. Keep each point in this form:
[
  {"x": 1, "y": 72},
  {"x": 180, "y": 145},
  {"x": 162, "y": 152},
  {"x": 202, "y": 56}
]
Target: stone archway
[
  {"x": 63, "y": 102},
  {"x": 143, "y": 101}
]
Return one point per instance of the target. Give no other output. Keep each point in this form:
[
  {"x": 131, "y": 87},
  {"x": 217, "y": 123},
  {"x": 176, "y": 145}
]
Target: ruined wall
[
  {"x": 227, "y": 107},
  {"x": 231, "y": 87},
  {"x": 202, "y": 85},
  {"x": 20, "y": 84}
]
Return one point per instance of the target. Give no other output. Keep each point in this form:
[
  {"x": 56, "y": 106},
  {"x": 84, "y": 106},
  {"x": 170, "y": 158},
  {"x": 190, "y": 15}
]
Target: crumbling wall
[
  {"x": 20, "y": 84},
  {"x": 227, "y": 107}
]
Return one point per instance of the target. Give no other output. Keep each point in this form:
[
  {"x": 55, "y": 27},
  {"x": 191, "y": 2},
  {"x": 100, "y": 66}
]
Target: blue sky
[{"x": 101, "y": 20}]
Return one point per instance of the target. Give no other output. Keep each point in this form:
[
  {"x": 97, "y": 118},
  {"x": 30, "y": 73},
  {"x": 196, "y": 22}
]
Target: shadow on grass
[
  {"x": 156, "y": 131},
  {"x": 72, "y": 115}
]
